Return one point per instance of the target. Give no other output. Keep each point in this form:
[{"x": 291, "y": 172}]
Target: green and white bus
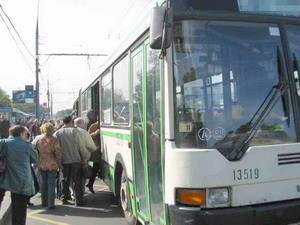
[{"x": 199, "y": 114}]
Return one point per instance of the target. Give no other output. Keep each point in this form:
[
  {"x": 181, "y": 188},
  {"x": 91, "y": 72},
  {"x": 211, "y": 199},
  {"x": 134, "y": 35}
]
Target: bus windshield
[
  {"x": 267, "y": 7},
  {"x": 229, "y": 78},
  {"x": 280, "y": 7}
]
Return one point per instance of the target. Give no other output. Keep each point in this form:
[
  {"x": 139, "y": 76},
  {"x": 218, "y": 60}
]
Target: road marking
[
  {"x": 99, "y": 185},
  {"x": 36, "y": 212},
  {"x": 46, "y": 220},
  {"x": 40, "y": 210},
  {"x": 103, "y": 188},
  {"x": 30, "y": 215}
]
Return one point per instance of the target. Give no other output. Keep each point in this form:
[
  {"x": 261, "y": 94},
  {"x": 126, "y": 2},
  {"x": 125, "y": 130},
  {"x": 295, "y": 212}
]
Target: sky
[{"x": 65, "y": 26}]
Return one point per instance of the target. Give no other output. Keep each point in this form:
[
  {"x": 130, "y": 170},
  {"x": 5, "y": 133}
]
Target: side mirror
[{"x": 160, "y": 28}]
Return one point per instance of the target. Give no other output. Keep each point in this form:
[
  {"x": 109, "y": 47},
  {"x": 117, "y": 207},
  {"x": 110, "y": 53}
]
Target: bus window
[
  {"x": 294, "y": 43},
  {"x": 121, "y": 92},
  {"x": 84, "y": 101},
  {"x": 154, "y": 134},
  {"x": 106, "y": 88},
  {"x": 89, "y": 99}
]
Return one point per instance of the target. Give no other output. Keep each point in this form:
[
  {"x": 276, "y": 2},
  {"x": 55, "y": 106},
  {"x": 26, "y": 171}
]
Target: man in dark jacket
[
  {"x": 4, "y": 128},
  {"x": 94, "y": 131}
]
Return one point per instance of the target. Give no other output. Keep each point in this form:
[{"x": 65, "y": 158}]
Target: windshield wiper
[{"x": 265, "y": 108}]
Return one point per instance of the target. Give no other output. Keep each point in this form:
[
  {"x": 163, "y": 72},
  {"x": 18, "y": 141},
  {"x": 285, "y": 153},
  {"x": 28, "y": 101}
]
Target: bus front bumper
[{"x": 279, "y": 213}]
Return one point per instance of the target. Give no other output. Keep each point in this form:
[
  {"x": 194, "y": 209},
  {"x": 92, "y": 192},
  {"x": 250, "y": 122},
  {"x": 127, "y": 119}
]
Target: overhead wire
[
  {"x": 11, "y": 23},
  {"x": 17, "y": 44},
  {"x": 126, "y": 12}
]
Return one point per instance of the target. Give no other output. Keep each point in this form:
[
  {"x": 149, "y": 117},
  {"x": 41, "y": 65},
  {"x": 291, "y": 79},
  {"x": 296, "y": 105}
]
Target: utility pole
[
  {"x": 51, "y": 117},
  {"x": 48, "y": 95},
  {"x": 37, "y": 70}
]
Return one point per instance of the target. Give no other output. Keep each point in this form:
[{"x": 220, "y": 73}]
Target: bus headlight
[{"x": 218, "y": 196}]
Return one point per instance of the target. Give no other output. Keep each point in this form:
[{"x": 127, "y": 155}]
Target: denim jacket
[{"x": 18, "y": 177}]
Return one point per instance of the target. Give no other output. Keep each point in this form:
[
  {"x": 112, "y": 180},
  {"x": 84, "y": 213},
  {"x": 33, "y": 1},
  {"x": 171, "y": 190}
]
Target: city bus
[{"x": 199, "y": 114}]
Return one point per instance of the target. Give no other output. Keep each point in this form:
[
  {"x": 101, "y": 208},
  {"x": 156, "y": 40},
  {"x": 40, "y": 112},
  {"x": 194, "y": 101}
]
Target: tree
[
  {"x": 29, "y": 108},
  {"x": 60, "y": 114},
  {"x": 4, "y": 99}
]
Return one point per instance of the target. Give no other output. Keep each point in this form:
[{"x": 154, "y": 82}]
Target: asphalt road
[{"x": 100, "y": 208}]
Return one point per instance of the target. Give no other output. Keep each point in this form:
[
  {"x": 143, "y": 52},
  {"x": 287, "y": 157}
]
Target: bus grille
[{"x": 289, "y": 158}]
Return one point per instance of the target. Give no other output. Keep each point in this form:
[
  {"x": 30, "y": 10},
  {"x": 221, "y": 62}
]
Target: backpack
[{"x": 3, "y": 158}]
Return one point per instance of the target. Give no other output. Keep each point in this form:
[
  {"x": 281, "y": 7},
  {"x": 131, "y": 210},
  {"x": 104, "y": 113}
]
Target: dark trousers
[
  {"x": 96, "y": 168},
  {"x": 2, "y": 194},
  {"x": 72, "y": 177},
  {"x": 18, "y": 207}
]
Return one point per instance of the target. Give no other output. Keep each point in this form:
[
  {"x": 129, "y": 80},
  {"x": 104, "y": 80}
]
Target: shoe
[
  {"x": 90, "y": 188},
  {"x": 69, "y": 198},
  {"x": 79, "y": 204},
  {"x": 30, "y": 204},
  {"x": 65, "y": 202}
]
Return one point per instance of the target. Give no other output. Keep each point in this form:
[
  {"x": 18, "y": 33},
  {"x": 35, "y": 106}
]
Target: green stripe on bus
[{"x": 126, "y": 137}]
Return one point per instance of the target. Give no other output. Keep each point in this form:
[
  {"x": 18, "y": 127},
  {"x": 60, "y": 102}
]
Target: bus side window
[{"x": 121, "y": 92}]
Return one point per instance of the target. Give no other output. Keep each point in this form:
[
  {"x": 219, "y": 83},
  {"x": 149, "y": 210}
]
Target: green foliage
[
  {"x": 4, "y": 99},
  {"x": 60, "y": 114},
  {"x": 28, "y": 108}
]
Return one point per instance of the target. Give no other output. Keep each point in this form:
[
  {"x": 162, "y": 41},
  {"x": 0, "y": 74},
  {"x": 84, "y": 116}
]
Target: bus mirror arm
[{"x": 161, "y": 28}]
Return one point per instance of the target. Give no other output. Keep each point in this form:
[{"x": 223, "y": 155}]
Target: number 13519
[{"x": 246, "y": 174}]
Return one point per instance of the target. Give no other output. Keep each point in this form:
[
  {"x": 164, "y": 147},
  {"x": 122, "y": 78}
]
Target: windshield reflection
[{"x": 223, "y": 73}]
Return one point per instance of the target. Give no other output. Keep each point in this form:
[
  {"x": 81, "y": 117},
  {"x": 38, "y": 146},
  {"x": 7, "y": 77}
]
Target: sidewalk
[{"x": 100, "y": 208}]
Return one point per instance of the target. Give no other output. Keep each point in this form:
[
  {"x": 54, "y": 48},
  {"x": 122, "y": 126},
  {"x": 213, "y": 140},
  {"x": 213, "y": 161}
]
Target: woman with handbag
[
  {"x": 19, "y": 156},
  {"x": 49, "y": 162}
]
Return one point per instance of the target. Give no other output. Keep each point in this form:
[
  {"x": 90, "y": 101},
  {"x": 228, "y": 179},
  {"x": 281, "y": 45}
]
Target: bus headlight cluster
[{"x": 218, "y": 196}]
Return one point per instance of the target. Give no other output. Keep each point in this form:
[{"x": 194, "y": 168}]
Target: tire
[{"x": 125, "y": 200}]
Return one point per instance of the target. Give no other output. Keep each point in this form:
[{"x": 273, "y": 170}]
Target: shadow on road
[{"x": 99, "y": 205}]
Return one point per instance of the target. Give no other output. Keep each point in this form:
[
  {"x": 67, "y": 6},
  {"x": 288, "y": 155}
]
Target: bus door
[
  {"x": 95, "y": 98},
  {"x": 146, "y": 134}
]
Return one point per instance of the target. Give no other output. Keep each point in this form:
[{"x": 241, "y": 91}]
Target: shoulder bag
[
  {"x": 87, "y": 171},
  {"x": 3, "y": 157}
]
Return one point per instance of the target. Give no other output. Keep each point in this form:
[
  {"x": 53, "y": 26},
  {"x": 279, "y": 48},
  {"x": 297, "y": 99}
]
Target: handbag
[
  {"x": 87, "y": 171},
  {"x": 3, "y": 158},
  {"x": 35, "y": 181}
]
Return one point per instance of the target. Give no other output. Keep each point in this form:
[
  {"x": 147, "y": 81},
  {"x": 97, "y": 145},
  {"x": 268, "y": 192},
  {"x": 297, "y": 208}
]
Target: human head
[
  {"x": 79, "y": 122},
  {"x": 67, "y": 120},
  {"x": 91, "y": 115},
  {"x": 18, "y": 131},
  {"x": 150, "y": 127},
  {"x": 47, "y": 129}
]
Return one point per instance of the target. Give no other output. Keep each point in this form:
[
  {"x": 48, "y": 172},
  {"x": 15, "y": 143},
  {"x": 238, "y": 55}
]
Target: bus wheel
[{"x": 125, "y": 200}]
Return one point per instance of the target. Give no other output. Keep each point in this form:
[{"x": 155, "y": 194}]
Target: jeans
[
  {"x": 48, "y": 187},
  {"x": 18, "y": 207},
  {"x": 2, "y": 194},
  {"x": 72, "y": 176}
]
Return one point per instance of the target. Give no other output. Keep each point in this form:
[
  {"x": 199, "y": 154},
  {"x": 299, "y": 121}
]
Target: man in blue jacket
[{"x": 18, "y": 178}]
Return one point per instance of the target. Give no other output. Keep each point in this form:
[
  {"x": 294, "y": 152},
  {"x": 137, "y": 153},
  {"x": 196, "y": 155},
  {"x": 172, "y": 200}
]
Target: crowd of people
[{"x": 49, "y": 148}]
